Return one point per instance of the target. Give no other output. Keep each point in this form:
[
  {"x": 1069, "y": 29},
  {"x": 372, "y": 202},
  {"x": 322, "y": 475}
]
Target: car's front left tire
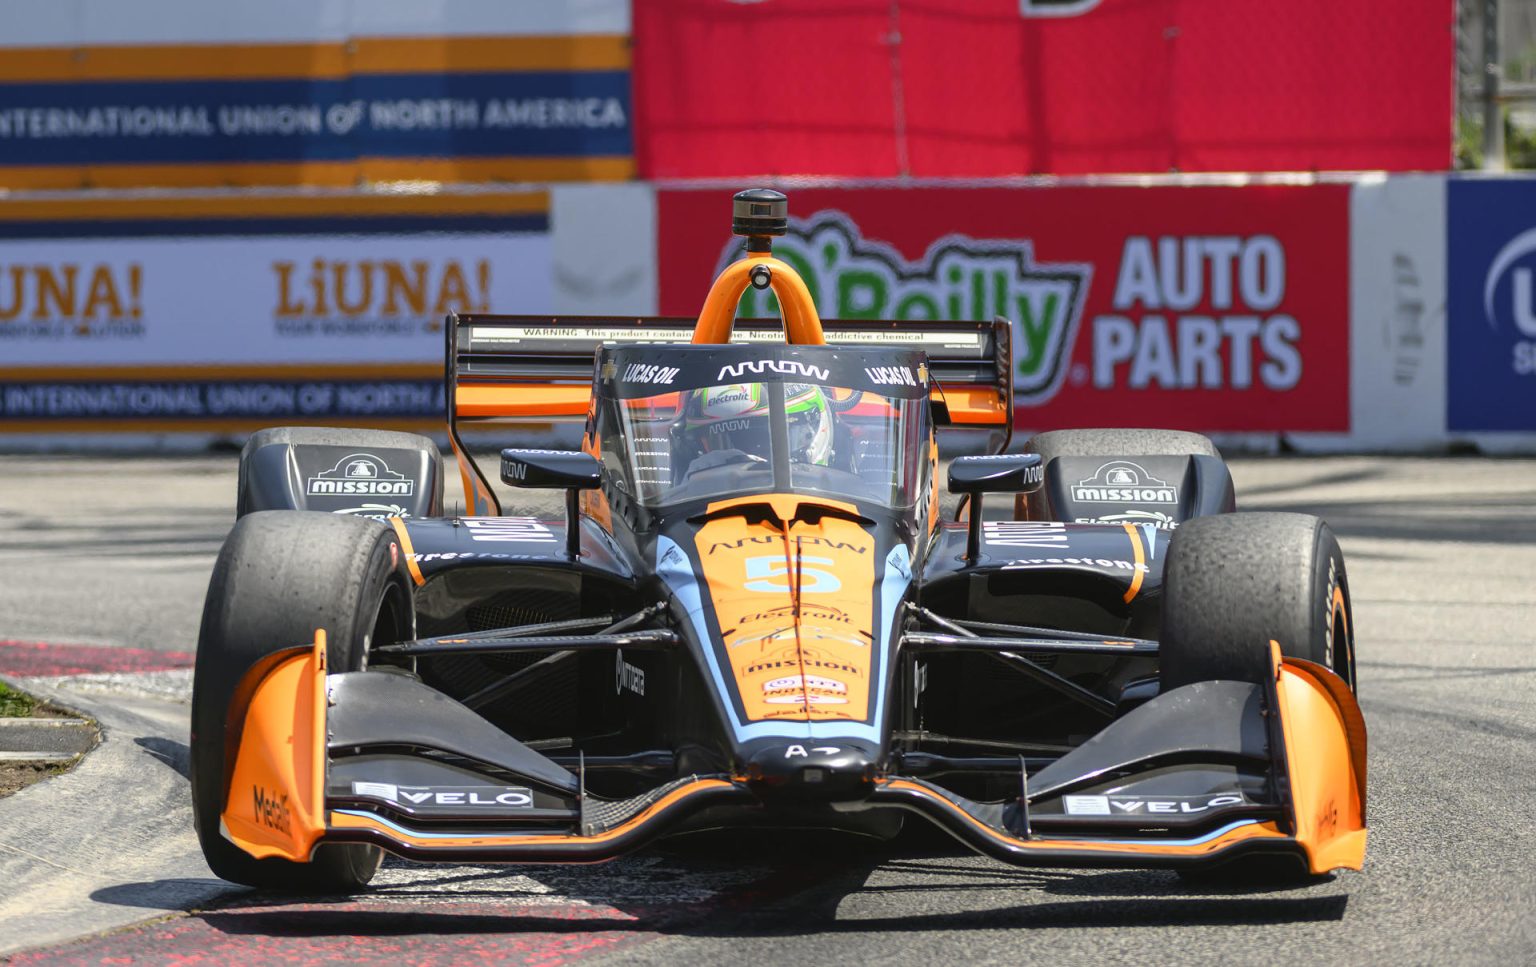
[{"x": 1234, "y": 582}]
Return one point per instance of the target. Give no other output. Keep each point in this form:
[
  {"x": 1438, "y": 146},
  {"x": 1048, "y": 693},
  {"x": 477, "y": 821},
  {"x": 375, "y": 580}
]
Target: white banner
[
  {"x": 1397, "y": 312},
  {"x": 258, "y": 301},
  {"x": 605, "y": 249},
  {"x": 63, "y": 23}
]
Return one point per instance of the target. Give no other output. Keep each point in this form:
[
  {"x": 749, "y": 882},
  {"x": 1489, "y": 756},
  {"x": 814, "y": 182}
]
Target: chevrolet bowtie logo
[{"x": 609, "y": 371}]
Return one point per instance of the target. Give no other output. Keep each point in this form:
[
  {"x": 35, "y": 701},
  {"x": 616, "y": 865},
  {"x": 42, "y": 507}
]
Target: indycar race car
[{"x": 753, "y": 612}]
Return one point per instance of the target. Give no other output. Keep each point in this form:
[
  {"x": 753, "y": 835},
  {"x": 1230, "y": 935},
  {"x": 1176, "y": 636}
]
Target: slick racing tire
[
  {"x": 1119, "y": 443},
  {"x": 281, "y": 575},
  {"x": 1233, "y": 582}
]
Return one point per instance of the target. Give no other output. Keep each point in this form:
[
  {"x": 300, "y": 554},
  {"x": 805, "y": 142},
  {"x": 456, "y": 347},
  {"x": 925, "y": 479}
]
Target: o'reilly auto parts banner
[
  {"x": 1212, "y": 309},
  {"x": 1491, "y": 305}
]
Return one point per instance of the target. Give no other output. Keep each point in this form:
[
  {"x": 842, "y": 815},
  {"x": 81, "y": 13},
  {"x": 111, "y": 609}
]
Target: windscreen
[{"x": 748, "y": 429}]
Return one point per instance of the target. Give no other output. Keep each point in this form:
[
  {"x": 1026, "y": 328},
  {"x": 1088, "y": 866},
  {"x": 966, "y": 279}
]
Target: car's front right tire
[{"x": 280, "y": 576}]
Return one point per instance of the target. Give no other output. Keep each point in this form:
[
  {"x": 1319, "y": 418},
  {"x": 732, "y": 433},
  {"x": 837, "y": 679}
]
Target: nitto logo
[
  {"x": 784, "y": 367},
  {"x": 1513, "y": 302},
  {"x": 360, "y": 473},
  {"x": 851, "y": 277}
]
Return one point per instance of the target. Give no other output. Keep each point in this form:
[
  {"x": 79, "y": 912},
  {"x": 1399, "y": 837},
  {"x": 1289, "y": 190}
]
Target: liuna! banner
[
  {"x": 1217, "y": 309},
  {"x": 227, "y": 313}
]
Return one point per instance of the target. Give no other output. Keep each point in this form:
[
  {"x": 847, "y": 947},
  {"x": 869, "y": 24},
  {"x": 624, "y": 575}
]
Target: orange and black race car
[{"x": 754, "y": 612}]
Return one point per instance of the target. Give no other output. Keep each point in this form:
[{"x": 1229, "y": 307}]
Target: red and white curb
[{"x": 91, "y": 855}]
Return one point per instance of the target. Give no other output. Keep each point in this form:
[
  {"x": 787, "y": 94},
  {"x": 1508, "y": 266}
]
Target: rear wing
[{"x": 539, "y": 368}]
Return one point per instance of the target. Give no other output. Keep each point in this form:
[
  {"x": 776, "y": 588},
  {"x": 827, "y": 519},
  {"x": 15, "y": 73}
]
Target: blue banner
[
  {"x": 1491, "y": 305},
  {"x": 189, "y": 401},
  {"x": 553, "y": 114}
]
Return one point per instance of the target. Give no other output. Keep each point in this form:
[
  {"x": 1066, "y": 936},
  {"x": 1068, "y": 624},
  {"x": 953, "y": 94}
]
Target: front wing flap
[{"x": 1195, "y": 777}]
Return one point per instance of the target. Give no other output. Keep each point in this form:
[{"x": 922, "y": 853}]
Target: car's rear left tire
[{"x": 280, "y": 576}]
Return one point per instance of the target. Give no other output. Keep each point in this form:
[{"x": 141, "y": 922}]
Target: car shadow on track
[
  {"x": 666, "y": 892},
  {"x": 175, "y": 755},
  {"x": 1503, "y": 519}
]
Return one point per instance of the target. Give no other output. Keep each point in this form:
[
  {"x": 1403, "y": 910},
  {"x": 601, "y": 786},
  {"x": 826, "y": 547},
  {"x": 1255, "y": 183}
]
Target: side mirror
[
  {"x": 1003, "y": 473},
  {"x": 565, "y": 470},
  {"x": 550, "y": 470}
]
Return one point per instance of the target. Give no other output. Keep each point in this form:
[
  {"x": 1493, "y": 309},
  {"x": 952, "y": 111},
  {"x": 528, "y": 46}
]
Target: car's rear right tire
[
  {"x": 1179, "y": 453},
  {"x": 1120, "y": 443},
  {"x": 279, "y": 577}
]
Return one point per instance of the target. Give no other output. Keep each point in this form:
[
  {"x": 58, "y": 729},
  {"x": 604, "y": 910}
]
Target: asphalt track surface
[{"x": 113, "y": 555}]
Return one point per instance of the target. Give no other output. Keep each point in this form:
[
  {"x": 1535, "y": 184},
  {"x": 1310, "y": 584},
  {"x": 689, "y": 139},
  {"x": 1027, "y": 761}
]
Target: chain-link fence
[{"x": 1496, "y": 78}]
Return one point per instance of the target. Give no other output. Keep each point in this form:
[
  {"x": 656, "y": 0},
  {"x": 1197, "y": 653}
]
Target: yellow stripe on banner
[
  {"x": 194, "y": 425},
  {"x": 330, "y": 61},
  {"x": 499, "y": 169},
  {"x": 443, "y": 55},
  {"x": 172, "y": 62},
  {"x": 305, "y": 205},
  {"x": 333, "y": 174},
  {"x": 312, "y": 371},
  {"x": 328, "y": 174}
]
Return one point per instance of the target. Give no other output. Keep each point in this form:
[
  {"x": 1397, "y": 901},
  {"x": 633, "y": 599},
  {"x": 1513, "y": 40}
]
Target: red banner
[
  {"x": 1209, "y": 309},
  {"x": 983, "y": 88}
]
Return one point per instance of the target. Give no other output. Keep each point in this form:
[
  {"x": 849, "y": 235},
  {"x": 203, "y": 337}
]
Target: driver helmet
[{"x": 735, "y": 417}]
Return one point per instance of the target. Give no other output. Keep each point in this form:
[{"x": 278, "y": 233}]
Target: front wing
[{"x": 377, "y": 757}]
